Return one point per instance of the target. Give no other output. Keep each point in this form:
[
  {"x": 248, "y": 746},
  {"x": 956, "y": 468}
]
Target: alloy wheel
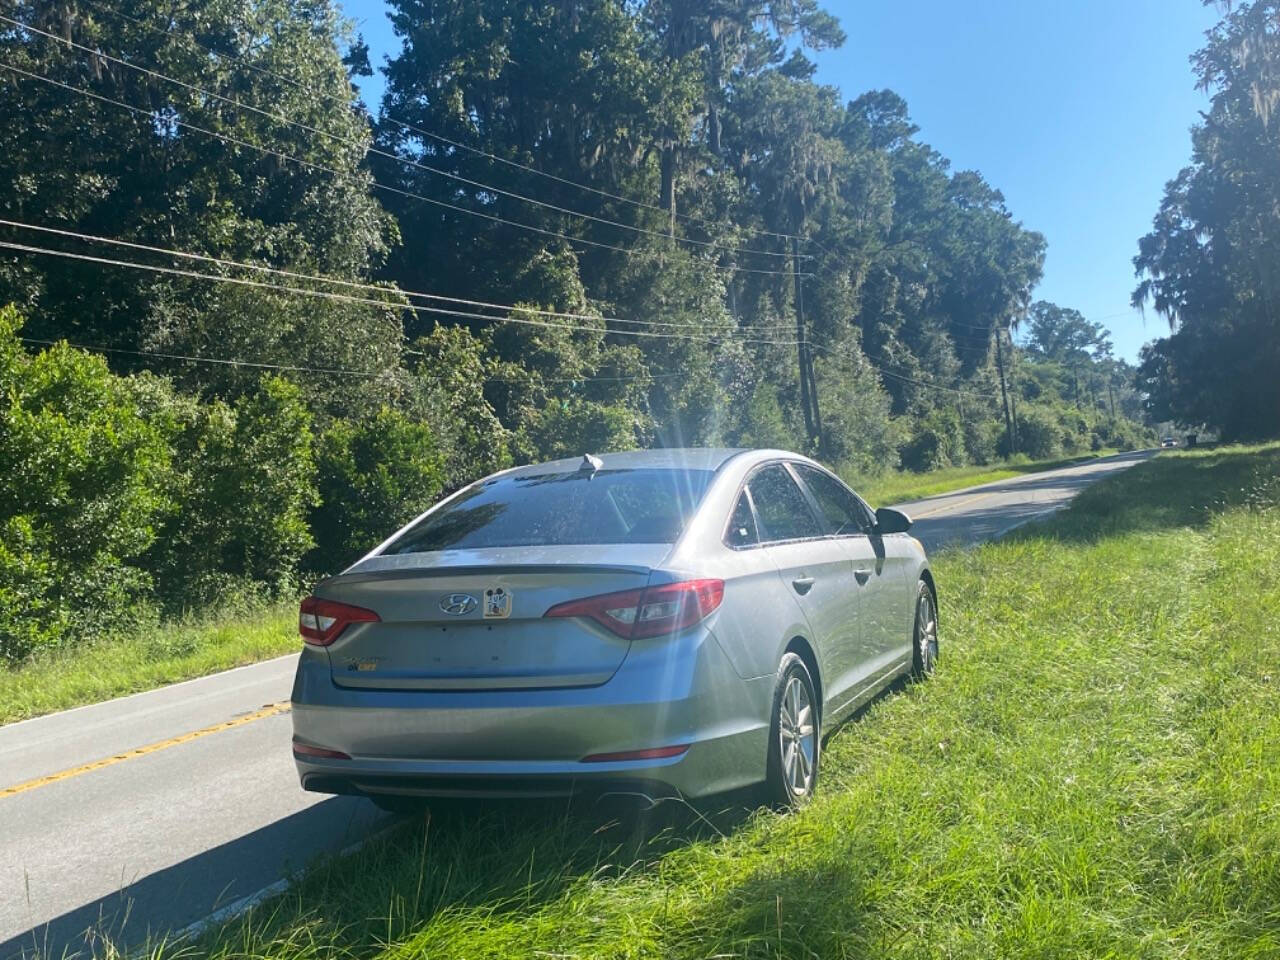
[
  {"x": 926, "y": 633},
  {"x": 797, "y": 737}
]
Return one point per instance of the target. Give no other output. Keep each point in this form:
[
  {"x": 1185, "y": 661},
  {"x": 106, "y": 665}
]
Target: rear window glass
[{"x": 609, "y": 506}]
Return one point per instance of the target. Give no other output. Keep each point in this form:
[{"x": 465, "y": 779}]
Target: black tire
[
  {"x": 795, "y": 748},
  {"x": 924, "y": 638}
]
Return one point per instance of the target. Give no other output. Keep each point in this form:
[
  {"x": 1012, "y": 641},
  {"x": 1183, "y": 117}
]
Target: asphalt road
[
  {"x": 146, "y": 814},
  {"x": 993, "y": 509}
]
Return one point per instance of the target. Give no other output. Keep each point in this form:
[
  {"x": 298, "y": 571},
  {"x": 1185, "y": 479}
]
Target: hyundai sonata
[{"x": 665, "y": 622}]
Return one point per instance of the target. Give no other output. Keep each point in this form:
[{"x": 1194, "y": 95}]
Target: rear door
[{"x": 814, "y": 568}]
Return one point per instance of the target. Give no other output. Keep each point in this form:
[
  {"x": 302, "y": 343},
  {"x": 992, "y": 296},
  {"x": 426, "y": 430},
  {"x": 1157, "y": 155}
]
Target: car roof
[{"x": 666, "y": 458}]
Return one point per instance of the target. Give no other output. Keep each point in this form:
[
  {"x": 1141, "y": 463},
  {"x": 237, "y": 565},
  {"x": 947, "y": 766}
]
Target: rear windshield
[{"x": 609, "y": 506}]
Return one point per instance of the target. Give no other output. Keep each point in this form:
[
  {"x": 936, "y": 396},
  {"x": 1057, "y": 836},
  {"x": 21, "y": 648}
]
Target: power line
[
  {"x": 289, "y": 368},
  {"x": 292, "y": 368},
  {"x": 295, "y": 275},
  {"x": 344, "y": 298},
  {"x": 370, "y": 149},
  {"x": 151, "y": 115},
  {"x": 404, "y": 124},
  {"x": 329, "y": 295}
]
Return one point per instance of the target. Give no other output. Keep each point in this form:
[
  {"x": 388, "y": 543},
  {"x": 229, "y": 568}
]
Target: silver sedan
[{"x": 665, "y": 622}]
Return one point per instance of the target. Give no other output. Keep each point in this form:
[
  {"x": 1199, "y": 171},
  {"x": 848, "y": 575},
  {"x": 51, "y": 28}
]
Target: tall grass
[
  {"x": 151, "y": 656},
  {"x": 1093, "y": 772}
]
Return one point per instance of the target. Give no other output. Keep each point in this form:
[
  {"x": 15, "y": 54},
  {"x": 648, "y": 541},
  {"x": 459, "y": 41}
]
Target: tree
[
  {"x": 147, "y": 175},
  {"x": 1211, "y": 264},
  {"x": 1065, "y": 338}
]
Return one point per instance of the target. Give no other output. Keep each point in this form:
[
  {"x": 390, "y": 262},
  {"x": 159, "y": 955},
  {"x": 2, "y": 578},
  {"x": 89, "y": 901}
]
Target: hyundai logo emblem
[{"x": 458, "y": 604}]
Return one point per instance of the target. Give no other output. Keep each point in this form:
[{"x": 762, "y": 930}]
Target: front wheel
[
  {"x": 924, "y": 648},
  {"x": 795, "y": 740}
]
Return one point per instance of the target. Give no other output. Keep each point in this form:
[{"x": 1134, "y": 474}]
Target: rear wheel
[
  {"x": 795, "y": 740},
  {"x": 924, "y": 649}
]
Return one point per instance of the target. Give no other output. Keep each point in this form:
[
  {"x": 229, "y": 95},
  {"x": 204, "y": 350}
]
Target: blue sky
[{"x": 1078, "y": 111}]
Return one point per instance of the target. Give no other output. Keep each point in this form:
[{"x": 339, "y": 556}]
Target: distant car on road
[
  {"x": 1169, "y": 442},
  {"x": 666, "y": 622}
]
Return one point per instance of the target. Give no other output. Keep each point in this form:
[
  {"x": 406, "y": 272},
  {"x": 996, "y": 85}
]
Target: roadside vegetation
[
  {"x": 1092, "y": 772},
  {"x": 151, "y": 656}
]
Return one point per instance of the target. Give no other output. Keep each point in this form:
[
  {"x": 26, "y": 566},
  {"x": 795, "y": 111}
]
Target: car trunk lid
[{"x": 473, "y": 620}]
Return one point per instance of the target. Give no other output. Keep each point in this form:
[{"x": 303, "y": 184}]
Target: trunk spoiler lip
[{"x": 356, "y": 575}]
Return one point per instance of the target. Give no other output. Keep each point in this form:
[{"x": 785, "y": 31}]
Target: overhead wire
[
  {"x": 329, "y": 295},
  {"x": 368, "y": 301},
  {"x": 368, "y": 148},
  {"x": 404, "y": 124},
  {"x": 371, "y": 182},
  {"x": 328, "y": 371},
  {"x": 361, "y": 300},
  {"x": 351, "y": 284},
  {"x": 463, "y": 314}
]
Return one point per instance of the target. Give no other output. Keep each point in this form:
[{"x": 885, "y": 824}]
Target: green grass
[
  {"x": 899, "y": 487},
  {"x": 152, "y": 657},
  {"x": 1093, "y": 772}
]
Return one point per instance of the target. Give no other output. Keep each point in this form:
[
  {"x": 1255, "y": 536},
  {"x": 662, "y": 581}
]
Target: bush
[
  {"x": 1039, "y": 434},
  {"x": 571, "y": 426},
  {"x": 763, "y": 422},
  {"x": 859, "y": 432},
  {"x": 447, "y": 392},
  {"x": 981, "y": 441},
  {"x": 1121, "y": 434},
  {"x": 373, "y": 477},
  {"x": 938, "y": 442},
  {"x": 246, "y": 484},
  {"x": 81, "y": 490}
]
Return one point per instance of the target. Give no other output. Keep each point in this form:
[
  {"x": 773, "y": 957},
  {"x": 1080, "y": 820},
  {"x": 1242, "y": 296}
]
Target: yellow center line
[
  {"x": 954, "y": 506},
  {"x": 269, "y": 710}
]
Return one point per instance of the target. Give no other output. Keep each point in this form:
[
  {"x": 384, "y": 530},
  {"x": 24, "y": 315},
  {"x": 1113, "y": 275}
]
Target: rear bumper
[{"x": 532, "y": 742}]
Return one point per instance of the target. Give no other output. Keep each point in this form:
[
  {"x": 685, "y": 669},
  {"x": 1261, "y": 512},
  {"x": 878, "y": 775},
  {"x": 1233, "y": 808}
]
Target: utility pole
[
  {"x": 802, "y": 347},
  {"x": 1013, "y": 390},
  {"x": 808, "y": 361},
  {"x": 1004, "y": 395}
]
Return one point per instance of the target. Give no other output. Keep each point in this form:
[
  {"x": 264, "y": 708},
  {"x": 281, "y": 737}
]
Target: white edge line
[{"x": 249, "y": 901}]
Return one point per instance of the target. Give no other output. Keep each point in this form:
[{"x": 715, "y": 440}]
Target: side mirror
[{"x": 889, "y": 520}]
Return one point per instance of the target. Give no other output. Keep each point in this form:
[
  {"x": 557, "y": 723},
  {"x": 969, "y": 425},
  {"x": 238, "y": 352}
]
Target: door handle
[
  {"x": 802, "y": 584},
  {"x": 862, "y": 576}
]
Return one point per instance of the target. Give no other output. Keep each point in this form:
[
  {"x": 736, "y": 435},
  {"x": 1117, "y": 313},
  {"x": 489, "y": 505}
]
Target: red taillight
[
  {"x": 320, "y": 621},
  {"x": 307, "y": 750},
  {"x": 650, "y": 611},
  {"x": 653, "y": 753}
]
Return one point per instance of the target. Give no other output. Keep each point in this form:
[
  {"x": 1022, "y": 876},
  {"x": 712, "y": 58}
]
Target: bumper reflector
[
  {"x": 307, "y": 750},
  {"x": 653, "y": 753}
]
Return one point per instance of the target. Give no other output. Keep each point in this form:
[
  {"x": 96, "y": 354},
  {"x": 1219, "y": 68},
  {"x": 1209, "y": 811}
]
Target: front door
[
  {"x": 878, "y": 573},
  {"x": 816, "y": 569}
]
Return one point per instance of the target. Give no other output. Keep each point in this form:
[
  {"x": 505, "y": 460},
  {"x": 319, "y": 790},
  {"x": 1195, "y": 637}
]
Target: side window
[
  {"x": 844, "y": 514},
  {"x": 742, "y": 524},
  {"x": 783, "y": 510}
]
